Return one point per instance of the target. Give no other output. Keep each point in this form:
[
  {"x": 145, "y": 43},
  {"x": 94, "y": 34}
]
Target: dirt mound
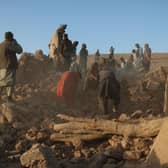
[
  {"x": 33, "y": 116},
  {"x": 33, "y": 67},
  {"x": 145, "y": 94}
]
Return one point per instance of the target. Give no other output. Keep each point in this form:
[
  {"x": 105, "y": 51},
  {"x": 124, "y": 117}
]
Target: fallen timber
[{"x": 83, "y": 129}]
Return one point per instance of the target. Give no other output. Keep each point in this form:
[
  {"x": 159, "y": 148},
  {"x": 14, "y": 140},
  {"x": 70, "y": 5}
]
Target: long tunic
[
  {"x": 66, "y": 89},
  {"x": 83, "y": 59},
  {"x": 109, "y": 87},
  {"x": 8, "y": 62}
]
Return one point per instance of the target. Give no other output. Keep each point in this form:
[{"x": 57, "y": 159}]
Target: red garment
[{"x": 67, "y": 87}]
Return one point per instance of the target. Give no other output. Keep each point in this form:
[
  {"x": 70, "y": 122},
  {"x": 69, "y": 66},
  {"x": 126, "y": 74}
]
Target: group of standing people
[
  {"x": 8, "y": 64},
  {"x": 63, "y": 51},
  {"x": 139, "y": 60},
  {"x": 102, "y": 76},
  {"x": 142, "y": 57}
]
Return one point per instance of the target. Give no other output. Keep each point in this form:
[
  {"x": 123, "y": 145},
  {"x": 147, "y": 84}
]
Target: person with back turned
[
  {"x": 83, "y": 59},
  {"x": 8, "y": 64},
  {"x": 109, "y": 91}
]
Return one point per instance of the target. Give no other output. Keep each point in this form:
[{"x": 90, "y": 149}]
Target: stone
[
  {"x": 123, "y": 117},
  {"x": 8, "y": 113},
  {"x": 2, "y": 119},
  {"x": 125, "y": 144},
  {"x": 137, "y": 114},
  {"x": 139, "y": 144},
  {"x": 131, "y": 164},
  {"x": 110, "y": 165},
  {"x": 77, "y": 154},
  {"x": 153, "y": 86},
  {"x": 38, "y": 156},
  {"x": 41, "y": 136},
  {"x": 16, "y": 113},
  {"x": 158, "y": 157},
  {"x": 86, "y": 153},
  {"x": 77, "y": 143},
  {"x": 17, "y": 125},
  {"x": 111, "y": 161},
  {"x": 116, "y": 146},
  {"x": 1, "y": 143},
  {"x": 22, "y": 145},
  {"x": 115, "y": 154},
  {"x": 98, "y": 160},
  {"x": 131, "y": 155}
]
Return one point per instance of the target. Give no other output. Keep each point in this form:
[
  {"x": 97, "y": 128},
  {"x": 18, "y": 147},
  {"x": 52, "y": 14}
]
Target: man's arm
[{"x": 15, "y": 47}]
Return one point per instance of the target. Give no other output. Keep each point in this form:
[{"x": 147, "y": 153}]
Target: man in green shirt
[{"x": 8, "y": 63}]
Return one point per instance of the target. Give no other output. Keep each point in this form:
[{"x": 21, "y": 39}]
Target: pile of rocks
[{"x": 26, "y": 126}]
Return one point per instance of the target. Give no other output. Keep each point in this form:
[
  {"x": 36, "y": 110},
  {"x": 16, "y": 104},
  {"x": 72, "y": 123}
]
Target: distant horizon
[
  {"x": 129, "y": 53},
  {"x": 99, "y": 24},
  {"x": 92, "y": 54}
]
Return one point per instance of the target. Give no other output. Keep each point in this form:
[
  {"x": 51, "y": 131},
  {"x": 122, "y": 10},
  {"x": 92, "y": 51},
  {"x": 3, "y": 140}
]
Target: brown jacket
[{"x": 8, "y": 51}]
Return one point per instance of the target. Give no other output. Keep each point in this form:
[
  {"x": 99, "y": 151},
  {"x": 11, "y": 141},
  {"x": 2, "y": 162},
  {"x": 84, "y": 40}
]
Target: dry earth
[{"x": 27, "y": 135}]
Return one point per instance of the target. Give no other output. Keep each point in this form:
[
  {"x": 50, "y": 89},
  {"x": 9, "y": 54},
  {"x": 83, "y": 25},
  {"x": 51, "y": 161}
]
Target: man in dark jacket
[
  {"x": 66, "y": 51},
  {"x": 83, "y": 59},
  {"x": 109, "y": 91},
  {"x": 8, "y": 63}
]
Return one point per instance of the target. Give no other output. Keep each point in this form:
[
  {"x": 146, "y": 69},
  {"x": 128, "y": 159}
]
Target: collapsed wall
[
  {"x": 33, "y": 67},
  {"x": 37, "y": 106}
]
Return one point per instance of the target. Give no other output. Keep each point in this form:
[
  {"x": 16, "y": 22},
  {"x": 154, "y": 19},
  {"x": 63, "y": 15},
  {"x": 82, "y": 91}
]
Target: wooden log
[
  {"x": 77, "y": 139},
  {"x": 133, "y": 128},
  {"x": 71, "y": 138},
  {"x": 71, "y": 118}
]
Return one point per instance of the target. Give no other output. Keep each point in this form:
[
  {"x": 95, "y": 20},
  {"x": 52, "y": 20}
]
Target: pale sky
[{"x": 98, "y": 23}]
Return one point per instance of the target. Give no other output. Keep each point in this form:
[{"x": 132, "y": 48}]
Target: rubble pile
[
  {"x": 145, "y": 96},
  {"x": 27, "y": 137}
]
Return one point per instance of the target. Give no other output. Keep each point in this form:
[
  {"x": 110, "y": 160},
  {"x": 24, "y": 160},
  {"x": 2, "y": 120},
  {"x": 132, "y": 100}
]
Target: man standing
[
  {"x": 8, "y": 63},
  {"x": 109, "y": 91},
  {"x": 147, "y": 57},
  {"x": 67, "y": 86},
  {"x": 138, "y": 50},
  {"x": 66, "y": 51},
  {"x": 111, "y": 50},
  {"x": 83, "y": 58},
  {"x": 97, "y": 55},
  {"x": 139, "y": 58},
  {"x": 74, "y": 48},
  {"x": 55, "y": 42}
]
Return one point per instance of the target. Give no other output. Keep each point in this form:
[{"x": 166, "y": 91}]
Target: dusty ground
[{"x": 30, "y": 120}]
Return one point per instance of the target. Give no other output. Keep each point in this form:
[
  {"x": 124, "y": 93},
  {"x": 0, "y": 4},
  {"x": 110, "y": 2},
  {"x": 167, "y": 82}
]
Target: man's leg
[
  {"x": 110, "y": 106},
  {"x": 9, "y": 91},
  {"x": 10, "y": 88},
  {"x": 1, "y": 90},
  {"x": 116, "y": 103},
  {"x": 103, "y": 105},
  {"x": 3, "y": 73}
]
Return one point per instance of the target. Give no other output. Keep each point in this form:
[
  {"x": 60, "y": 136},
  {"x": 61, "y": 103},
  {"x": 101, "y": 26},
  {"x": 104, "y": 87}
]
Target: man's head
[
  {"x": 62, "y": 27},
  {"x": 133, "y": 51},
  {"x": 84, "y": 45},
  {"x": 111, "y": 49},
  {"x": 137, "y": 45},
  {"x": 8, "y": 36},
  {"x": 146, "y": 45}
]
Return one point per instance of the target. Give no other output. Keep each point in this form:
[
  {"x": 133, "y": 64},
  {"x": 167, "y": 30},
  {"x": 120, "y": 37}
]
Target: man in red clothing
[{"x": 68, "y": 84}]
